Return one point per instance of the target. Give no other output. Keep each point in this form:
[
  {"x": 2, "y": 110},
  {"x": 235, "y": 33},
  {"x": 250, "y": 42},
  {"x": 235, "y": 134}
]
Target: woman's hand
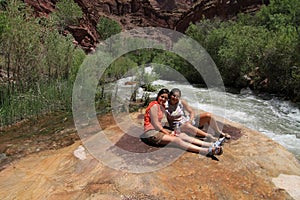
[
  {"x": 173, "y": 133},
  {"x": 168, "y": 132},
  {"x": 192, "y": 121}
]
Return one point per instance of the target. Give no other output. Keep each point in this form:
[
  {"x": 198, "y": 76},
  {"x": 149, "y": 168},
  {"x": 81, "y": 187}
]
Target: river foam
[{"x": 277, "y": 119}]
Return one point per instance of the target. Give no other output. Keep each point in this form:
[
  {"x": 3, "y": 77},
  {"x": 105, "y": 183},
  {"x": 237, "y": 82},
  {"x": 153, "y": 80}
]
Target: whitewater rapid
[{"x": 277, "y": 119}]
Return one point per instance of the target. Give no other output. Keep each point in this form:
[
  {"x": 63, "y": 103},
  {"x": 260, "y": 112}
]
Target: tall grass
[{"x": 41, "y": 98}]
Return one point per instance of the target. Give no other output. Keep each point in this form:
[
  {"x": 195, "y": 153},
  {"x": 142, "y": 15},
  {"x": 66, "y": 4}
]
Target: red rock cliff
[{"x": 172, "y": 14}]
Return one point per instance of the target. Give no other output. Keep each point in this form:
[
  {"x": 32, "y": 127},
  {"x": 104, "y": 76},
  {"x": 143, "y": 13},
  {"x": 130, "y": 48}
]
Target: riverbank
[
  {"x": 248, "y": 169},
  {"x": 51, "y": 131}
]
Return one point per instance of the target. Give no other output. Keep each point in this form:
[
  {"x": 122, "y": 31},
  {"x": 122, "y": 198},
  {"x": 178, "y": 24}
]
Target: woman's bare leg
[
  {"x": 189, "y": 128},
  {"x": 183, "y": 144},
  {"x": 193, "y": 140},
  {"x": 208, "y": 118}
]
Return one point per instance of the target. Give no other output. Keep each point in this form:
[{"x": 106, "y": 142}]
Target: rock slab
[{"x": 248, "y": 169}]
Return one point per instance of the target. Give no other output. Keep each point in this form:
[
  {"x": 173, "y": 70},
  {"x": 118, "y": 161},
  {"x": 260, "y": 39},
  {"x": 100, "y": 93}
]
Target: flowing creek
[{"x": 277, "y": 119}]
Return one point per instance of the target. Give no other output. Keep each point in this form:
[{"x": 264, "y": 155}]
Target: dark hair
[
  {"x": 162, "y": 91},
  {"x": 173, "y": 91}
]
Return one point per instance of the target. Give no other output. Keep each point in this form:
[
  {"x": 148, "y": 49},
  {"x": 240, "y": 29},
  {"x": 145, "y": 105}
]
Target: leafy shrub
[
  {"x": 107, "y": 27},
  {"x": 268, "y": 41},
  {"x": 67, "y": 13},
  {"x": 40, "y": 64}
]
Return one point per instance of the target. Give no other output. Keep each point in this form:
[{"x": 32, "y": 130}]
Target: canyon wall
[{"x": 171, "y": 14}]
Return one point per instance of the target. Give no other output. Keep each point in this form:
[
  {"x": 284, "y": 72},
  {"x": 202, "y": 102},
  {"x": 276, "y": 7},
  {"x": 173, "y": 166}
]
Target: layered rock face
[{"x": 172, "y": 14}]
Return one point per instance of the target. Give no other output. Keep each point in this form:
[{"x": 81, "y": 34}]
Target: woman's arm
[
  {"x": 154, "y": 120},
  {"x": 188, "y": 109}
]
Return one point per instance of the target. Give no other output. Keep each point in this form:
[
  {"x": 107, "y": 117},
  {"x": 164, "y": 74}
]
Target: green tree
[
  {"x": 3, "y": 4},
  {"x": 266, "y": 43},
  {"x": 119, "y": 68},
  {"x": 169, "y": 61},
  {"x": 107, "y": 27},
  {"x": 67, "y": 13},
  {"x": 39, "y": 63},
  {"x": 20, "y": 44},
  {"x": 241, "y": 52},
  {"x": 59, "y": 55},
  {"x": 279, "y": 13}
]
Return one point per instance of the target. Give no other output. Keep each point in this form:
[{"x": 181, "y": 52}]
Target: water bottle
[{"x": 177, "y": 129}]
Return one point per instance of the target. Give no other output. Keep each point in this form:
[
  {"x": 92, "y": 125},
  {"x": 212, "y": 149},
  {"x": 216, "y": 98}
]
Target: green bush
[
  {"x": 67, "y": 13},
  {"x": 107, "y": 27},
  {"x": 20, "y": 44},
  {"x": 41, "y": 65},
  {"x": 264, "y": 46}
]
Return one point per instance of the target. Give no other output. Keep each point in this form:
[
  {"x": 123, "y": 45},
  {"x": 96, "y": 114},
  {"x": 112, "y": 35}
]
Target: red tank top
[{"x": 147, "y": 119}]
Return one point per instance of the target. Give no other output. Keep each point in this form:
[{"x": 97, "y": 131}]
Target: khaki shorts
[{"x": 153, "y": 136}]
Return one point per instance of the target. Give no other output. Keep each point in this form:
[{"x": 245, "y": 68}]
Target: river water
[{"x": 277, "y": 119}]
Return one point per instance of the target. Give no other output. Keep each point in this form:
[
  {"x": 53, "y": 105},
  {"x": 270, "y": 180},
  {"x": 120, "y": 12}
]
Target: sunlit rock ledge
[{"x": 252, "y": 167}]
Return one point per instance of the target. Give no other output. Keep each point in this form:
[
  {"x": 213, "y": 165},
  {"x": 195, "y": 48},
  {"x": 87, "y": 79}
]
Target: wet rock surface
[{"x": 246, "y": 170}]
